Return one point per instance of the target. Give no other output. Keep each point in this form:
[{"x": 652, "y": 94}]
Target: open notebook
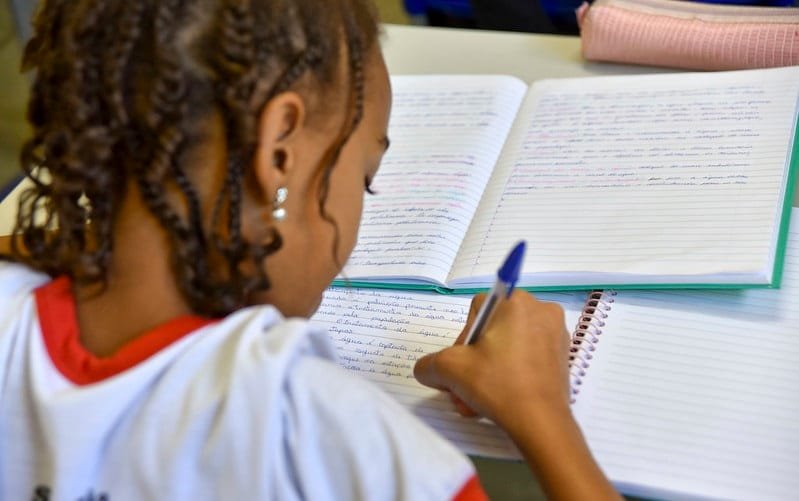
[
  {"x": 667, "y": 180},
  {"x": 686, "y": 393}
]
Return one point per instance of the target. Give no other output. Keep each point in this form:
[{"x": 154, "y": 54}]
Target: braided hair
[{"x": 120, "y": 89}]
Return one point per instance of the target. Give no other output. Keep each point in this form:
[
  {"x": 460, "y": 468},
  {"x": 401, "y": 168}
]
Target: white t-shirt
[{"x": 248, "y": 407}]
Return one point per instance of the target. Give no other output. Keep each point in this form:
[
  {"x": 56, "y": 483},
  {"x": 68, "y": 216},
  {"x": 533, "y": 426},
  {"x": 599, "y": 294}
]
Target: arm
[
  {"x": 555, "y": 450},
  {"x": 517, "y": 375}
]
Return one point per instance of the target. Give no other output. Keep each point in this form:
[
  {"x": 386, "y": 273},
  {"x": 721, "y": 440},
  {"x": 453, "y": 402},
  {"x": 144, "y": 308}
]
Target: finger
[
  {"x": 477, "y": 302},
  {"x": 520, "y": 298},
  {"x": 426, "y": 372},
  {"x": 474, "y": 307},
  {"x": 443, "y": 369}
]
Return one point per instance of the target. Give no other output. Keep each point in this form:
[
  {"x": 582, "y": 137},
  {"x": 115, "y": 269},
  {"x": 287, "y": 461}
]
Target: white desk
[
  {"x": 415, "y": 50},
  {"x": 421, "y": 50}
]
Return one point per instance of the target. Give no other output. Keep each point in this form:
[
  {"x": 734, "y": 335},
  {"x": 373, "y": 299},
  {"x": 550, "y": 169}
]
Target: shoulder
[
  {"x": 17, "y": 282},
  {"x": 18, "y": 279},
  {"x": 351, "y": 438},
  {"x": 342, "y": 437}
]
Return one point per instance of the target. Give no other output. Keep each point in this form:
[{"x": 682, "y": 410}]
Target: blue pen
[{"x": 507, "y": 276}]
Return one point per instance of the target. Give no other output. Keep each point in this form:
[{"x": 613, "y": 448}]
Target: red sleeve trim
[
  {"x": 55, "y": 306},
  {"x": 471, "y": 491}
]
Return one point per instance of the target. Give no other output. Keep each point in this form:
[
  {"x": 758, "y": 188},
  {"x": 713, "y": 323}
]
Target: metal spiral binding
[{"x": 586, "y": 336}]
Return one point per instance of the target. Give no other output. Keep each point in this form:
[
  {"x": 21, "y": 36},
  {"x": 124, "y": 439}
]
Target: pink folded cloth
[{"x": 689, "y": 35}]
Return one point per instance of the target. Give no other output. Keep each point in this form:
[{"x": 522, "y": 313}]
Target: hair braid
[
  {"x": 117, "y": 61},
  {"x": 121, "y": 93},
  {"x": 38, "y": 201},
  {"x": 237, "y": 71},
  {"x": 165, "y": 117},
  {"x": 243, "y": 100},
  {"x": 89, "y": 145},
  {"x": 68, "y": 158},
  {"x": 96, "y": 147},
  {"x": 355, "y": 49}
]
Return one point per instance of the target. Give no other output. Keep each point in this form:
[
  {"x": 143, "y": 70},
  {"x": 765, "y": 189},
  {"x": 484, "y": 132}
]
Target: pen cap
[{"x": 509, "y": 272}]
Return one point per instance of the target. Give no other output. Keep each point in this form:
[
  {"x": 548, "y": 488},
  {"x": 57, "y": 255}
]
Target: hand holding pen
[
  {"x": 513, "y": 351},
  {"x": 507, "y": 276},
  {"x": 515, "y": 371}
]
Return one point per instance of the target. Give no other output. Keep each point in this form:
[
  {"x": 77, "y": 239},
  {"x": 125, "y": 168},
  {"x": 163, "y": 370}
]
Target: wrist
[{"x": 531, "y": 422}]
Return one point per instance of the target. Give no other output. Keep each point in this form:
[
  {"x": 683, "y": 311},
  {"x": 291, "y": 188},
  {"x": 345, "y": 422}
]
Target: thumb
[
  {"x": 440, "y": 370},
  {"x": 443, "y": 369}
]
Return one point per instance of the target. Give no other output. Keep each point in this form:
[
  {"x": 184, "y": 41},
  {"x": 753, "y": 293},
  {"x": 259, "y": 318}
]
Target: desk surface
[
  {"x": 416, "y": 50},
  {"x": 423, "y": 50}
]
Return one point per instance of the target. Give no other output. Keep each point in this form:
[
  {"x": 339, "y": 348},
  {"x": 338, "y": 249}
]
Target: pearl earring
[{"x": 278, "y": 211}]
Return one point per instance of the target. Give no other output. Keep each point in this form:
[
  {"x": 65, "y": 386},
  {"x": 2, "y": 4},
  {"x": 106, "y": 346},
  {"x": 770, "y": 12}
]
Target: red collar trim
[
  {"x": 58, "y": 320},
  {"x": 471, "y": 491}
]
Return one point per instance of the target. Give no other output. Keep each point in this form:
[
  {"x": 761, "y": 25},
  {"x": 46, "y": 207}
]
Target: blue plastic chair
[
  {"x": 561, "y": 12},
  {"x": 455, "y": 8}
]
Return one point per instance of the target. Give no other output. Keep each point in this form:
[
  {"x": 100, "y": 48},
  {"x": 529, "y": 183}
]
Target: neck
[{"x": 141, "y": 291}]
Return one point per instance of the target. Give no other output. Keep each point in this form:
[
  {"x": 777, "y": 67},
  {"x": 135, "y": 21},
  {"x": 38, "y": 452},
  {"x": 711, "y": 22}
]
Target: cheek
[{"x": 345, "y": 204}]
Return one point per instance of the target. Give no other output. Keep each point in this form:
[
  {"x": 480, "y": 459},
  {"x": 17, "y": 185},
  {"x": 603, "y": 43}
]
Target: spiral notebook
[
  {"x": 632, "y": 181},
  {"x": 679, "y": 393}
]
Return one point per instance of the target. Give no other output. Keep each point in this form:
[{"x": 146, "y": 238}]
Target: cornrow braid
[
  {"x": 243, "y": 98},
  {"x": 102, "y": 198},
  {"x": 237, "y": 72},
  {"x": 122, "y": 92},
  {"x": 165, "y": 119},
  {"x": 118, "y": 58},
  {"x": 355, "y": 48}
]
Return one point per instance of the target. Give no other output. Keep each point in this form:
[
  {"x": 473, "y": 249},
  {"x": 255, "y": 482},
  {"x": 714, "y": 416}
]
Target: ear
[{"x": 280, "y": 122}]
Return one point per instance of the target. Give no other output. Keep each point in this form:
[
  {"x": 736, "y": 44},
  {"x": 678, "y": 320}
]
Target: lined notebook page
[
  {"x": 660, "y": 176},
  {"x": 697, "y": 392},
  {"x": 446, "y": 135},
  {"x": 380, "y": 335}
]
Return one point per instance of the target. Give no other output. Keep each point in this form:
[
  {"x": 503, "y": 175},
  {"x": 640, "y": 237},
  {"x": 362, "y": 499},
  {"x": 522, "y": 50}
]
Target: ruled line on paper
[
  {"x": 379, "y": 334},
  {"x": 585, "y": 158},
  {"x": 446, "y": 135},
  {"x": 699, "y": 387}
]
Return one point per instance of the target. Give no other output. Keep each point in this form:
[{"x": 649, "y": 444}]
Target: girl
[{"x": 199, "y": 168}]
